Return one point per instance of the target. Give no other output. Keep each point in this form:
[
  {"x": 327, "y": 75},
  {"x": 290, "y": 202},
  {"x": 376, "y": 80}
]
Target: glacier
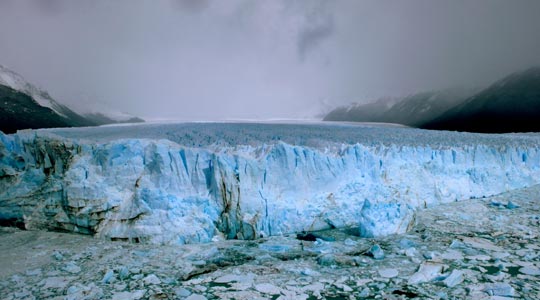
[{"x": 202, "y": 182}]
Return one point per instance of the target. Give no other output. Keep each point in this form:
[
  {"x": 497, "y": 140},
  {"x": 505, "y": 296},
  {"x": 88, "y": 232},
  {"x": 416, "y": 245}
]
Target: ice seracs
[{"x": 168, "y": 192}]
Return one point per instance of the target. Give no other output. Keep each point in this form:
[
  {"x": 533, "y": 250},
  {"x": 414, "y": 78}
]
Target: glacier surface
[{"x": 199, "y": 182}]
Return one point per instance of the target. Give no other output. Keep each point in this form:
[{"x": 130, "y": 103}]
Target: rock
[
  {"x": 364, "y": 293},
  {"x": 499, "y": 289},
  {"x": 411, "y": 252},
  {"x": 227, "y": 278},
  {"x": 57, "y": 255},
  {"x": 137, "y": 277},
  {"x": 388, "y": 272},
  {"x": 481, "y": 243},
  {"x": 326, "y": 260},
  {"x": 376, "y": 252},
  {"x": 429, "y": 255},
  {"x": 123, "y": 273},
  {"x": 500, "y": 255},
  {"x": 72, "y": 268},
  {"x": 182, "y": 292},
  {"x": 56, "y": 282},
  {"x": 314, "y": 287},
  {"x": 72, "y": 289},
  {"x": 34, "y": 272},
  {"x": 196, "y": 297},
  {"x": 24, "y": 294},
  {"x": 230, "y": 278},
  {"x": 479, "y": 257},
  {"x": 293, "y": 296},
  {"x": 455, "y": 278},
  {"x": 135, "y": 295},
  {"x": 530, "y": 270},
  {"x": 349, "y": 242},
  {"x": 108, "y": 277},
  {"x": 442, "y": 295},
  {"x": 344, "y": 287},
  {"x": 151, "y": 279},
  {"x": 427, "y": 272},
  {"x": 303, "y": 236},
  {"x": 495, "y": 203},
  {"x": 310, "y": 272},
  {"x": 79, "y": 291},
  {"x": 268, "y": 288},
  {"x": 406, "y": 244},
  {"x": 511, "y": 205},
  {"x": 120, "y": 287},
  {"x": 279, "y": 248},
  {"x": 452, "y": 255}
]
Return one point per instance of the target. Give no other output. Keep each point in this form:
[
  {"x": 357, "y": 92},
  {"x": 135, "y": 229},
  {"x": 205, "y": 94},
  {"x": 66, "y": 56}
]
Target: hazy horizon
[{"x": 242, "y": 59}]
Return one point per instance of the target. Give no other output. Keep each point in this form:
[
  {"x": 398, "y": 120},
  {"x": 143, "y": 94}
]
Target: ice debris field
[{"x": 202, "y": 182}]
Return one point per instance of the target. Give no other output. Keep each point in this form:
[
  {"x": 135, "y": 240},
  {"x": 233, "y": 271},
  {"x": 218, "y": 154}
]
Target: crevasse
[{"x": 158, "y": 191}]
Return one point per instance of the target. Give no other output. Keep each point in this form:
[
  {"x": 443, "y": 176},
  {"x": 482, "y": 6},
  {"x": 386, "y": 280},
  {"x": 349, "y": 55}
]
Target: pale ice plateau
[{"x": 202, "y": 182}]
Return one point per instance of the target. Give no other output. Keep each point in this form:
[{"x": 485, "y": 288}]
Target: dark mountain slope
[
  {"x": 510, "y": 105},
  {"x": 370, "y": 112},
  {"x": 25, "y": 106},
  {"x": 102, "y": 119},
  {"x": 412, "y": 110},
  {"x": 20, "y": 111}
]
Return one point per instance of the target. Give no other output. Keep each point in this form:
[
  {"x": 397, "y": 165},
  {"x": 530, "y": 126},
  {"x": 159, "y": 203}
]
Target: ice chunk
[
  {"x": 428, "y": 271},
  {"x": 385, "y": 218},
  {"x": 499, "y": 289},
  {"x": 455, "y": 278}
]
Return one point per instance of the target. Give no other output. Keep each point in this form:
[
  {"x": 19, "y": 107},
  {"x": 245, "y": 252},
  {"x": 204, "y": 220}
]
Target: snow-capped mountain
[
  {"x": 15, "y": 81},
  {"x": 509, "y": 105},
  {"x": 23, "y": 106}
]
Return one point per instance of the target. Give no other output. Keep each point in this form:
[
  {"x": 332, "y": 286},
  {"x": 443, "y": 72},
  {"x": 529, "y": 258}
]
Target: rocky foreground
[{"x": 474, "y": 249}]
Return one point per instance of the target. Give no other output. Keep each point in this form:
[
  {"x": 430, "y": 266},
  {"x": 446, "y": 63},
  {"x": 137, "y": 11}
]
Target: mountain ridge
[
  {"x": 25, "y": 106},
  {"x": 511, "y": 104}
]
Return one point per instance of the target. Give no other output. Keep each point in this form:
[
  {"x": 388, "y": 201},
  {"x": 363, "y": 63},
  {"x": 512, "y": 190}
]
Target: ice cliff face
[{"x": 159, "y": 191}]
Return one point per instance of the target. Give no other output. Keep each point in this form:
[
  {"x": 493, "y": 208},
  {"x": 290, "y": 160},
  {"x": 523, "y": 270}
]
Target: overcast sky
[{"x": 220, "y": 59}]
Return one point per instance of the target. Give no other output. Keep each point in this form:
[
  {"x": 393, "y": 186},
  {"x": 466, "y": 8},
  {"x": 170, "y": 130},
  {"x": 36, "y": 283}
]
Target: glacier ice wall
[{"x": 158, "y": 191}]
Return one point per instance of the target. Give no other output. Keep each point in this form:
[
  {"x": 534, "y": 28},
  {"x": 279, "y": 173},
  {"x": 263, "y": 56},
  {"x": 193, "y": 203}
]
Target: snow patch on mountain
[{"x": 17, "y": 82}]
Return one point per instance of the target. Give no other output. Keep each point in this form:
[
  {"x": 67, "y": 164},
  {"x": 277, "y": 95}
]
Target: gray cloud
[
  {"x": 193, "y": 59},
  {"x": 313, "y": 35},
  {"x": 191, "y": 6},
  {"x": 49, "y": 6}
]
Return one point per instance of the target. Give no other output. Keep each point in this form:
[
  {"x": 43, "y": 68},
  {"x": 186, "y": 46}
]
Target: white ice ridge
[{"x": 160, "y": 191}]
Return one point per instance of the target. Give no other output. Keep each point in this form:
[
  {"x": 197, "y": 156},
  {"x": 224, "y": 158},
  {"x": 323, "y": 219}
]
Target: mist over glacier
[{"x": 198, "y": 182}]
